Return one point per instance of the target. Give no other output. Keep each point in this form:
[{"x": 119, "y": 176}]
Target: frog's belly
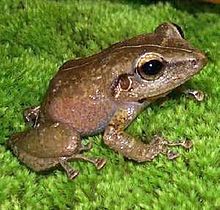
[{"x": 86, "y": 116}]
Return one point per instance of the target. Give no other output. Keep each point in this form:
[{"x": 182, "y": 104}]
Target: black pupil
[{"x": 152, "y": 67}]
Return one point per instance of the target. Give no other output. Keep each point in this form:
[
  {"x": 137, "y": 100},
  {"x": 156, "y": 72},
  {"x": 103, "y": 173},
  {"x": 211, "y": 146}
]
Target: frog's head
[{"x": 164, "y": 61}]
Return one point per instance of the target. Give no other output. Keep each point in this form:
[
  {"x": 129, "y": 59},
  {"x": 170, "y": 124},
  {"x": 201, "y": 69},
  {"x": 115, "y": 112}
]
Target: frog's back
[{"x": 78, "y": 96}]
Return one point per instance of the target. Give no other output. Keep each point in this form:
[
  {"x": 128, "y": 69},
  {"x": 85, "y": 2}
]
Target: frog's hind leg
[
  {"x": 49, "y": 145},
  {"x": 98, "y": 162},
  {"x": 72, "y": 173}
]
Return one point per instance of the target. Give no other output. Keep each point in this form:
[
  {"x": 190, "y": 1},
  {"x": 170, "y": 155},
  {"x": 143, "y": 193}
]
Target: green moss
[{"x": 37, "y": 36}]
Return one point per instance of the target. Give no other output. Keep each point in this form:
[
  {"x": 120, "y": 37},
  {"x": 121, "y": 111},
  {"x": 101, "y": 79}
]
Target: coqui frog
[{"x": 104, "y": 93}]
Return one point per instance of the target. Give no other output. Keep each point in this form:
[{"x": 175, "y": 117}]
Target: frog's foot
[
  {"x": 198, "y": 95},
  {"x": 71, "y": 173},
  {"x": 31, "y": 116},
  {"x": 98, "y": 162},
  {"x": 160, "y": 145}
]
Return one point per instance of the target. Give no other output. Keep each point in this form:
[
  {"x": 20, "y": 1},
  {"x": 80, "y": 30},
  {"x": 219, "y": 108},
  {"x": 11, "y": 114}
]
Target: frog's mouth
[{"x": 154, "y": 98}]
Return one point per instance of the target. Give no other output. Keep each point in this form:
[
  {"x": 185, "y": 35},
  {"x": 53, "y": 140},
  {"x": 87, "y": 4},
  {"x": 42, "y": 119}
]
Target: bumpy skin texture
[{"x": 105, "y": 92}]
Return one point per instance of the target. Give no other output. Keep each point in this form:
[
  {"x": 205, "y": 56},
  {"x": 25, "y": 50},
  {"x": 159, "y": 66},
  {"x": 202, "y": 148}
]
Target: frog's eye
[{"x": 149, "y": 66}]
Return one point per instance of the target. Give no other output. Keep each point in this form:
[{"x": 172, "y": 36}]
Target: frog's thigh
[
  {"x": 38, "y": 164},
  {"x": 56, "y": 140},
  {"x": 40, "y": 148}
]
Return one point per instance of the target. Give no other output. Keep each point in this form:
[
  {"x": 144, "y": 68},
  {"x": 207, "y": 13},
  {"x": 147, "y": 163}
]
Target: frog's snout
[{"x": 201, "y": 59}]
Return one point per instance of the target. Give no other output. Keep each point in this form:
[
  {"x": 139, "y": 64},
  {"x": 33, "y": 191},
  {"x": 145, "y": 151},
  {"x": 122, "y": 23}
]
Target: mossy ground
[{"x": 38, "y": 36}]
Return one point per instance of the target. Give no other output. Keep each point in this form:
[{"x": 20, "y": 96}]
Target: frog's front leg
[
  {"x": 120, "y": 141},
  {"x": 198, "y": 95},
  {"x": 31, "y": 116}
]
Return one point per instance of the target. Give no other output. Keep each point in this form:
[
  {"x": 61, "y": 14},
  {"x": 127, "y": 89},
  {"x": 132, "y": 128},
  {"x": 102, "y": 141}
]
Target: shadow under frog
[{"x": 104, "y": 93}]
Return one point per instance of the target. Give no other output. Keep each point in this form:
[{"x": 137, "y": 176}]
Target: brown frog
[{"x": 104, "y": 93}]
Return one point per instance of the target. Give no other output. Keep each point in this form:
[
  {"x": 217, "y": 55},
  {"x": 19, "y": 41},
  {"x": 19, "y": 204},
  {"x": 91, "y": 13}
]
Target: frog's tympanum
[{"x": 104, "y": 93}]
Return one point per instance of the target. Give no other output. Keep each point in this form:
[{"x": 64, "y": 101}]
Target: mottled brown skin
[{"x": 104, "y": 93}]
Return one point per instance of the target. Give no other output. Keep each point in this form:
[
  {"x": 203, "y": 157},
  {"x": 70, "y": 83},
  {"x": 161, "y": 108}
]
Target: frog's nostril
[{"x": 194, "y": 62}]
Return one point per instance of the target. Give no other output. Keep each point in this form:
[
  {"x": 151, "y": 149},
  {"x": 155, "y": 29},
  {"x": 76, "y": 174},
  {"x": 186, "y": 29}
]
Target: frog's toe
[
  {"x": 198, "y": 95},
  {"x": 72, "y": 174},
  {"x": 100, "y": 163},
  {"x": 171, "y": 155},
  {"x": 187, "y": 144}
]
